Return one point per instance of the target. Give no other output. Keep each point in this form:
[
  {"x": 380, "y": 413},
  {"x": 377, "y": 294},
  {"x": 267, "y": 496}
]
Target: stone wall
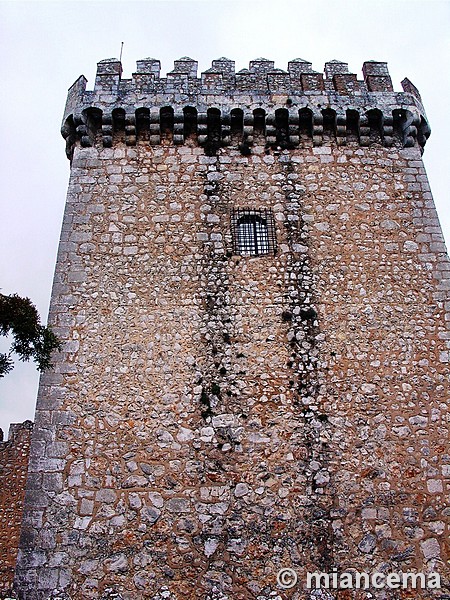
[
  {"x": 204, "y": 429},
  {"x": 14, "y": 455},
  {"x": 215, "y": 417}
]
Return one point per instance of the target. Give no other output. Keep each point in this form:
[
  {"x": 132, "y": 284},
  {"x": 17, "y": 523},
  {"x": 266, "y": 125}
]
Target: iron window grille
[{"x": 253, "y": 231}]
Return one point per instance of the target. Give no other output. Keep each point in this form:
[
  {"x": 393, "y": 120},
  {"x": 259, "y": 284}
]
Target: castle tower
[{"x": 252, "y": 290}]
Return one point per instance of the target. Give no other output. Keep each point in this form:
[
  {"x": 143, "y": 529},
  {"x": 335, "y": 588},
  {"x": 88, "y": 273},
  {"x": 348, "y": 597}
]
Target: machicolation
[{"x": 223, "y": 108}]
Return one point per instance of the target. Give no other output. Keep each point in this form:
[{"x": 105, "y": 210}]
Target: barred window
[{"x": 253, "y": 231}]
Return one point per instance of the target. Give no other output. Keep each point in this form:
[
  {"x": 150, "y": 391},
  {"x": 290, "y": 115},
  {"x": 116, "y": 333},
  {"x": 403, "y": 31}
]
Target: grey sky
[{"x": 45, "y": 46}]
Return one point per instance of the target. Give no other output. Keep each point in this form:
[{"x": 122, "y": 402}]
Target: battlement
[{"x": 225, "y": 107}]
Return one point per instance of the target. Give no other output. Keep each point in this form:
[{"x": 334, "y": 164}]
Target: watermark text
[{"x": 354, "y": 580}]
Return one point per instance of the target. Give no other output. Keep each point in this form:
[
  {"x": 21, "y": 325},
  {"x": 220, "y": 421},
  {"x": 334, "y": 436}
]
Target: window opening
[{"x": 253, "y": 231}]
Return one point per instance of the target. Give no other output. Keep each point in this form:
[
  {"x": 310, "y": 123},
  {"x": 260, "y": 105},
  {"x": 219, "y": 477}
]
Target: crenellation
[
  {"x": 76, "y": 91},
  {"x": 376, "y": 77},
  {"x": 109, "y": 66},
  {"x": 335, "y": 67},
  {"x": 297, "y": 66},
  {"x": 262, "y": 85},
  {"x": 346, "y": 84},
  {"x": 108, "y": 78},
  {"x": 261, "y": 66},
  {"x": 278, "y": 82},
  {"x": 375, "y": 69},
  {"x": 149, "y": 66},
  {"x": 212, "y": 82},
  {"x": 185, "y": 65},
  {"x": 225, "y": 66}
]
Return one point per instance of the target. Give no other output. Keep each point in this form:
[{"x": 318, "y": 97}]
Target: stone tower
[{"x": 252, "y": 289}]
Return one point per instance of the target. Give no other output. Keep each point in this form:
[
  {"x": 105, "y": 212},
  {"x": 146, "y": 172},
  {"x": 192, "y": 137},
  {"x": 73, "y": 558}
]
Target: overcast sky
[{"x": 45, "y": 46}]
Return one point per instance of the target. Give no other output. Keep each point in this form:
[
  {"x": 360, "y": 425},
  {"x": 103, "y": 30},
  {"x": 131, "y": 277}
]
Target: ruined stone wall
[
  {"x": 14, "y": 455},
  {"x": 215, "y": 417}
]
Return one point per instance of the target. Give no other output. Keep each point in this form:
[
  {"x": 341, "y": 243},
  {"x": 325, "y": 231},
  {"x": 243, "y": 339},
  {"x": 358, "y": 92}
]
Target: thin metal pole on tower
[{"x": 121, "y": 48}]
